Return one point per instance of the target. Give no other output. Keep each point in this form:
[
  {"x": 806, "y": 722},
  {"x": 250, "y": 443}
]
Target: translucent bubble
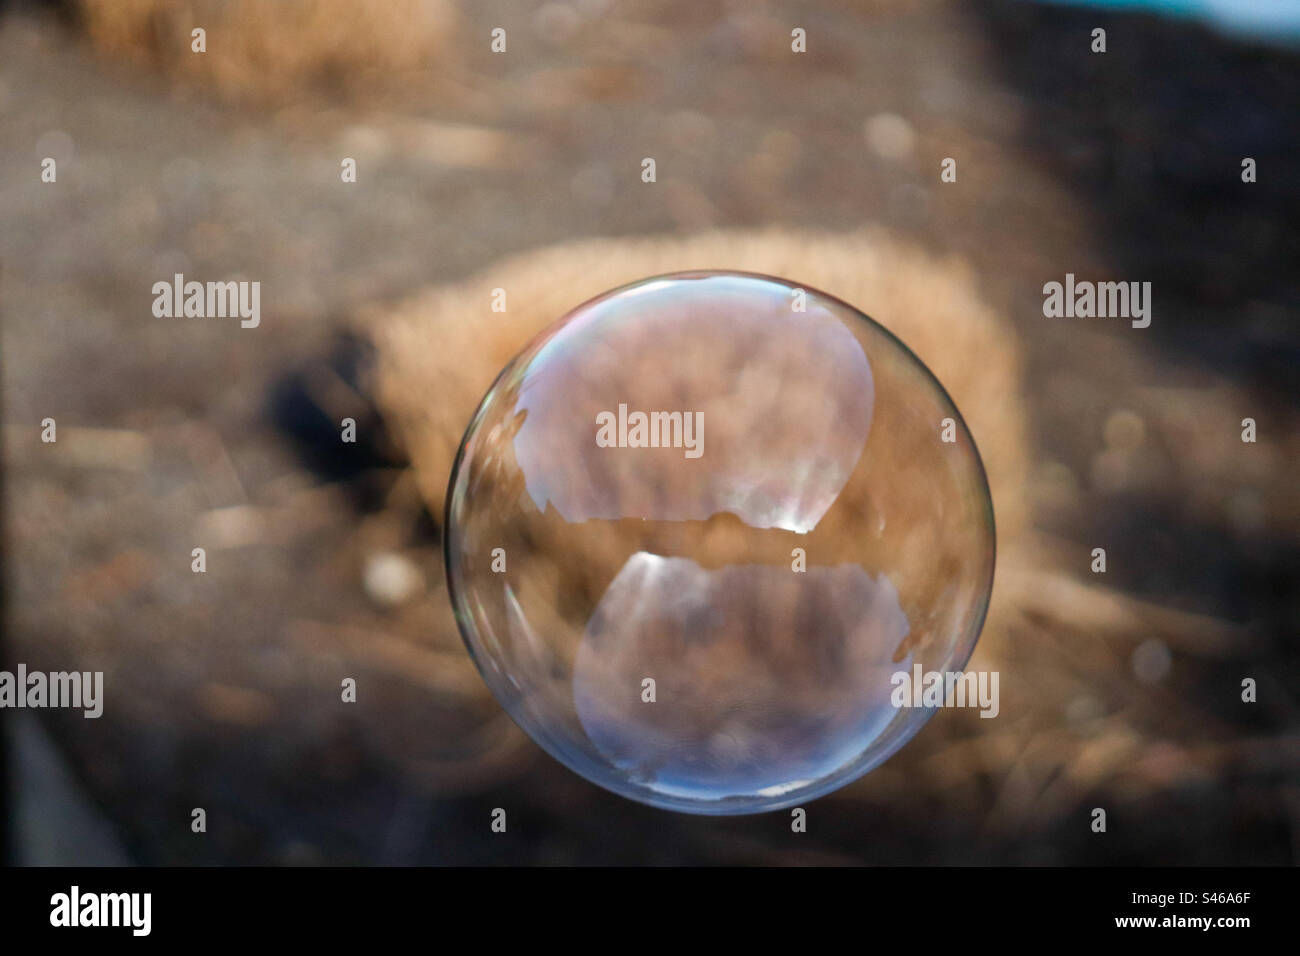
[{"x": 697, "y": 527}]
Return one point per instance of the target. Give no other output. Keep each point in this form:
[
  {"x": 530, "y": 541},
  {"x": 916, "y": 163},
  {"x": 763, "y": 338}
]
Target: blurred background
[{"x": 222, "y": 689}]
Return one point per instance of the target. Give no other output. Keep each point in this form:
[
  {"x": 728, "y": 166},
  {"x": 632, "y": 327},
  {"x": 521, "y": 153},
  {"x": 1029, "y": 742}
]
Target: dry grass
[
  {"x": 441, "y": 349},
  {"x": 273, "y": 51}
]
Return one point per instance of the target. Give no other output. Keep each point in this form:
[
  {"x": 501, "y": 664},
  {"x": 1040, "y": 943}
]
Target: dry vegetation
[
  {"x": 266, "y": 51},
  {"x": 439, "y": 357}
]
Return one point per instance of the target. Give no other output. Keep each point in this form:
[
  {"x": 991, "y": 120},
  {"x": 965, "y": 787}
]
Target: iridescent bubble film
[{"x": 698, "y": 526}]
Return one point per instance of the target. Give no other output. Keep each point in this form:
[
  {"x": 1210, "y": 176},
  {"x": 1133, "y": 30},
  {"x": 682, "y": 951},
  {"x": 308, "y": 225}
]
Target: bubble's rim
[{"x": 838, "y": 779}]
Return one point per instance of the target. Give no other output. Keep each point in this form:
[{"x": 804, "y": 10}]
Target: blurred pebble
[
  {"x": 390, "y": 579},
  {"x": 889, "y": 136},
  {"x": 1151, "y": 661},
  {"x": 236, "y": 526}
]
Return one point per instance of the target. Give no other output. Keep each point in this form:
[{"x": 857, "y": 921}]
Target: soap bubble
[{"x": 697, "y": 527}]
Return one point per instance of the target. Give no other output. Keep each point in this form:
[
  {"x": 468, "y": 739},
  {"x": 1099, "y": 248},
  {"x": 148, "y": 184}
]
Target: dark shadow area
[
  {"x": 7, "y": 781},
  {"x": 310, "y": 404},
  {"x": 1151, "y": 135}
]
